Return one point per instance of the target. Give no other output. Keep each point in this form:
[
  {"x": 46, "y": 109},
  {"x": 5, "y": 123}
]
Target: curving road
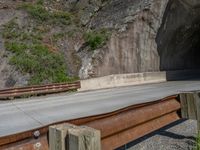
[{"x": 21, "y": 115}]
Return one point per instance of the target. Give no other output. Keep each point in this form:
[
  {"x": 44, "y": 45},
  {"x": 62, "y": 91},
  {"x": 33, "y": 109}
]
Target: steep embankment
[
  {"x": 54, "y": 41},
  {"x": 9, "y": 76}
]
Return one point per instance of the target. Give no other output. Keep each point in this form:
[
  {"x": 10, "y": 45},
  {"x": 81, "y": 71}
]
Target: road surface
[{"x": 21, "y": 115}]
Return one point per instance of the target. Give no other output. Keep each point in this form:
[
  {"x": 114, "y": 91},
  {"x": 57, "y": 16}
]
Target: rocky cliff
[
  {"x": 178, "y": 38},
  {"x": 96, "y": 38},
  {"x": 132, "y": 46},
  {"x": 149, "y": 35}
]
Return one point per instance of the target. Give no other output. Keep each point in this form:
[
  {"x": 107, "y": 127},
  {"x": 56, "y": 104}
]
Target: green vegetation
[
  {"x": 41, "y": 14},
  {"x": 40, "y": 2},
  {"x": 11, "y": 30},
  {"x": 57, "y": 36},
  {"x": 96, "y": 39},
  {"x": 197, "y": 147},
  {"x": 30, "y": 55},
  {"x": 34, "y": 44}
]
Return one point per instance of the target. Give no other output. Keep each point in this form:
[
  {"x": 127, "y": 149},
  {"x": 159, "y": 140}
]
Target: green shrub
[
  {"x": 197, "y": 147},
  {"x": 10, "y": 30},
  {"x": 40, "y": 62},
  {"x": 38, "y": 12},
  {"x": 31, "y": 56},
  {"x": 60, "y": 17},
  {"x": 35, "y": 37},
  {"x": 96, "y": 39},
  {"x": 15, "y": 47},
  {"x": 57, "y": 36},
  {"x": 40, "y": 2}
]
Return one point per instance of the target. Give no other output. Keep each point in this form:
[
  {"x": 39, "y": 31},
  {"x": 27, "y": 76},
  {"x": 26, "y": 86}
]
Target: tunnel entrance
[{"x": 178, "y": 38}]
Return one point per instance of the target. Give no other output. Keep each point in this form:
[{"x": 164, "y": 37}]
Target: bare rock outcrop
[
  {"x": 179, "y": 35},
  {"x": 132, "y": 46},
  {"x": 149, "y": 35}
]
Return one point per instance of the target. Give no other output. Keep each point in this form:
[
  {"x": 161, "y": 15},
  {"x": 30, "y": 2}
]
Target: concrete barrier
[{"x": 118, "y": 80}]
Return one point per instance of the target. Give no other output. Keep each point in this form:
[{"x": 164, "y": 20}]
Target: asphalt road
[{"x": 21, "y": 115}]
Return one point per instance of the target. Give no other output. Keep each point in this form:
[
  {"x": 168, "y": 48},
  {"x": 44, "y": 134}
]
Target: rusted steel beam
[
  {"x": 29, "y": 144},
  {"x": 80, "y": 121},
  {"x": 45, "y": 89},
  {"x": 131, "y": 134},
  {"x": 112, "y": 125},
  {"x": 122, "y": 121},
  {"x": 41, "y": 91},
  {"x": 40, "y": 86}
]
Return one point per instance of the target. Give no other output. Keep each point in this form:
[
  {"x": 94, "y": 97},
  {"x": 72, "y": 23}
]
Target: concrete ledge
[
  {"x": 118, "y": 80},
  {"x": 182, "y": 75}
]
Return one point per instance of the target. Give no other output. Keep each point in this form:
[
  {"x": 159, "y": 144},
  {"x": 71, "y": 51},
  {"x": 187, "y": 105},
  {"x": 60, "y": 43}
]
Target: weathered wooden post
[
  {"x": 197, "y": 97},
  {"x": 71, "y": 137},
  {"x": 190, "y": 106}
]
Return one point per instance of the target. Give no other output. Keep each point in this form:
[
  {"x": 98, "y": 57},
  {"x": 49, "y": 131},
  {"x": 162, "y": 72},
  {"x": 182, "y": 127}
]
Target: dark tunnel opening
[{"x": 178, "y": 40}]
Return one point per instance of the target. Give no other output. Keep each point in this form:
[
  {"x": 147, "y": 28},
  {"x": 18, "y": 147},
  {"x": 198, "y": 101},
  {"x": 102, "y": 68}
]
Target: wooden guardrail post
[
  {"x": 71, "y": 137},
  {"x": 190, "y": 106}
]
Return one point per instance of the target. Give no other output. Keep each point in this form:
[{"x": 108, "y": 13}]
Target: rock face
[
  {"x": 145, "y": 36},
  {"x": 132, "y": 47},
  {"x": 179, "y": 35},
  {"x": 9, "y": 76},
  {"x": 149, "y": 35}
]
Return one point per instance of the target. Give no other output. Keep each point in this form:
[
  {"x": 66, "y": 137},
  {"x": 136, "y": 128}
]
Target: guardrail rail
[
  {"x": 11, "y": 93},
  {"x": 117, "y": 128}
]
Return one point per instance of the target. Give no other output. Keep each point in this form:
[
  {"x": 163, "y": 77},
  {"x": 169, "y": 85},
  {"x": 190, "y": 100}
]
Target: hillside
[{"x": 46, "y": 41}]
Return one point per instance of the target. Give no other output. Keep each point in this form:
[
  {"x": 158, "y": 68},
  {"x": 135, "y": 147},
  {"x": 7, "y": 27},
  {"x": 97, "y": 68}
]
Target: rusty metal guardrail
[
  {"x": 117, "y": 128},
  {"x": 36, "y": 90}
]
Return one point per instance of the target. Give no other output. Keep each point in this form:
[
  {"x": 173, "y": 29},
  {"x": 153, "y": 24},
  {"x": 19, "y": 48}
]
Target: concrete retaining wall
[{"x": 122, "y": 80}]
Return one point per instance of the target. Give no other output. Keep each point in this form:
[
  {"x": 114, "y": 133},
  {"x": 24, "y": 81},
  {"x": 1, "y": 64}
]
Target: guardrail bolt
[
  {"x": 36, "y": 134},
  {"x": 37, "y": 146}
]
